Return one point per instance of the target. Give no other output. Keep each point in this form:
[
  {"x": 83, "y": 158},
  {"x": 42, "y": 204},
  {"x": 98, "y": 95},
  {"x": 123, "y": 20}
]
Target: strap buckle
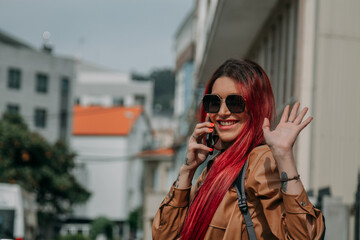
[{"x": 242, "y": 205}]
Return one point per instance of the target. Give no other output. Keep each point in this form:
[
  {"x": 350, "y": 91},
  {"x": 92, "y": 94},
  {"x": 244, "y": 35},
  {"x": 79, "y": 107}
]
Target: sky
[{"x": 125, "y": 35}]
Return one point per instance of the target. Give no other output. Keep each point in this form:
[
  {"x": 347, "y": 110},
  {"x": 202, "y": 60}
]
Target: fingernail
[
  {"x": 211, "y": 149},
  {"x": 210, "y": 129},
  {"x": 212, "y": 124}
]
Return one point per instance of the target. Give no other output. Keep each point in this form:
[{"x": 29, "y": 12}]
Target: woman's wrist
[
  {"x": 282, "y": 152},
  {"x": 288, "y": 171},
  {"x": 184, "y": 178}
]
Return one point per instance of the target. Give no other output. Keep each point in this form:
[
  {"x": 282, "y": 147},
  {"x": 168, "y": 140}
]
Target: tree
[
  {"x": 164, "y": 89},
  {"x": 135, "y": 220},
  {"x": 101, "y": 225},
  {"x": 38, "y": 166}
]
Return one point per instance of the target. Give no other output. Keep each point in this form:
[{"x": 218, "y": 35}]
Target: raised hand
[
  {"x": 283, "y": 137},
  {"x": 281, "y": 141}
]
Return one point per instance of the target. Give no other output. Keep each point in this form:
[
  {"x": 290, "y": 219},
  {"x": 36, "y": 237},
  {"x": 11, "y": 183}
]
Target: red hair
[{"x": 256, "y": 90}]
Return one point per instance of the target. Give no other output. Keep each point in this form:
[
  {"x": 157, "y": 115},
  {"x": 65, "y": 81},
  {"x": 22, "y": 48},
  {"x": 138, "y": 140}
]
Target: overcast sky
[{"x": 127, "y": 35}]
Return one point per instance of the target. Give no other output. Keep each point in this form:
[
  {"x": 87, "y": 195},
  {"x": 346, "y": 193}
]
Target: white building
[
  {"x": 38, "y": 85},
  {"x": 107, "y": 141},
  {"x": 99, "y": 86},
  {"x": 158, "y": 166},
  {"x": 187, "y": 92}
]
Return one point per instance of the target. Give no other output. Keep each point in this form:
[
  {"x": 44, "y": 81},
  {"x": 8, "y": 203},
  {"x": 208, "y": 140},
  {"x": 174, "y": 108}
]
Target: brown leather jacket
[{"x": 275, "y": 214}]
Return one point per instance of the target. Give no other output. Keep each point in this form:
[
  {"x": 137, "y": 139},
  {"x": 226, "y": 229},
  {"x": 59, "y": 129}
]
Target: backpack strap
[{"x": 240, "y": 190}]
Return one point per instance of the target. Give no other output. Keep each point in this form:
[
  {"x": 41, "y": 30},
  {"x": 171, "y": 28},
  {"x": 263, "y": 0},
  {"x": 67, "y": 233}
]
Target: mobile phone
[{"x": 211, "y": 139}]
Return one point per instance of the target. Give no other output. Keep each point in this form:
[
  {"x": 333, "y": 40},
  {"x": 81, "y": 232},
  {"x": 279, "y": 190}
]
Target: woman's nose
[{"x": 224, "y": 111}]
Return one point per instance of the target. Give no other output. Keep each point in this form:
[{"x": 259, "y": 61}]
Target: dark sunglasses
[{"x": 212, "y": 103}]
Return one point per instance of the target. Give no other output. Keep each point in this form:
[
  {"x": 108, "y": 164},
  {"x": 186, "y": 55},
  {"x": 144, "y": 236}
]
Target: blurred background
[{"x": 98, "y": 99}]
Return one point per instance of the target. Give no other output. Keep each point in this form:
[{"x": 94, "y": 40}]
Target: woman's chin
[{"x": 220, "y": 145}]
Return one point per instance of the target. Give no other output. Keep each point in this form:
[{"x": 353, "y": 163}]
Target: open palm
[{"x": 284, "y": 135}]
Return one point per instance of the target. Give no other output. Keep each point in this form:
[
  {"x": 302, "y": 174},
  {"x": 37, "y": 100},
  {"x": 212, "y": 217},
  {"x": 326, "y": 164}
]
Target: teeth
[{"x": 226, "y": 123}]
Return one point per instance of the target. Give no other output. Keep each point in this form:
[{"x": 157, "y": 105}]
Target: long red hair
[{"x": 256, "y": 90}]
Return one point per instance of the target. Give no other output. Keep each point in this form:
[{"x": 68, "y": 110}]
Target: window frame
[
  {"x": 14, "y": 82},
  {"x": 40, "y": 117},
  {"x": 42, "y": 87},
  {"x": 13, "y": 108}
]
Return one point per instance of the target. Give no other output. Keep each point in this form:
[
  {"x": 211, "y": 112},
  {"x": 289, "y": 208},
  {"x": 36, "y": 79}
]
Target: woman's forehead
[{"x": 224, "y": 86}]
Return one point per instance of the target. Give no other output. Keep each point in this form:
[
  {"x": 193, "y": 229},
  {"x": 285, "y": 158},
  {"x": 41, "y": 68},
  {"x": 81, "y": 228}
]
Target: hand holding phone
[{"x": 211, "y": 139}]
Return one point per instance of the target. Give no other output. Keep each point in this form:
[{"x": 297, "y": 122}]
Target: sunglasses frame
[{"x": 226, "y": 102}]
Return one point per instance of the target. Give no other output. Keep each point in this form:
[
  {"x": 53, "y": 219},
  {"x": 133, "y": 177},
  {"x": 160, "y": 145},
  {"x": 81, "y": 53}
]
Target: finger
[
  {"x": 285, "y": 115},
  {"x": 204, "y": 124},
  {"x": 203, "y": 147},
  {"x": 266, "y": 126},
  {"x": 293, "y": 112},
  {"x": 199, "y": 133},
  {"x": 301, "y": 116},
  {"x": 305, "y": 123},
  {"x": 199, "y": 147}
]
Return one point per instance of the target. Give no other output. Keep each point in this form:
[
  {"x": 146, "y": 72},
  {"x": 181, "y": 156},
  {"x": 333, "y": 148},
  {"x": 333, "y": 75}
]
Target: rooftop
[
  {"x": 12, "y": 41},
  {"x": 102, "y": 121}
]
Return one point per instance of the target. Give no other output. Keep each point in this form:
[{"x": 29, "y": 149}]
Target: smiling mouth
[{"x": 226, "y": 123}]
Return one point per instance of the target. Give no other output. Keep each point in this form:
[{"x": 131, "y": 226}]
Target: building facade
[
  {"x": 108, "y": 141},
  {"x": 102, "y": 87},
  {"x": 158, "y": 166},
  {"x": 39, "y": 86},
  {"x": 186, "y": 90}
]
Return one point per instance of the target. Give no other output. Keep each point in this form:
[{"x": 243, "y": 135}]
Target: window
[
  {"x": 40, "y": 117},
  {"x": 64, "y": 107},
  {"x": 63, "y": 119},
  {"x": 41, "y": 83},
  {"x": 65, "y": 86},
  {"x": 118, "y": 102},
  {"x": 13, "y": 109},
  {"x": 14, "y": 78},
  {"x": 140, "y": 99}
]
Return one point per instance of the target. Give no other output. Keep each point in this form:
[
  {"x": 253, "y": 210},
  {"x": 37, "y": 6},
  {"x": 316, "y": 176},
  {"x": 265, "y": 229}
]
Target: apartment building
[
  {"x": 99, "y": 86},
  {"x": 38, "y": 85},
  {"x": 108, "y": 141}
]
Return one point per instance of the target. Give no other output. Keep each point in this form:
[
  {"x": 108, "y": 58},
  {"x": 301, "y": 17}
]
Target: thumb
[{"x": 266, "y": 126}]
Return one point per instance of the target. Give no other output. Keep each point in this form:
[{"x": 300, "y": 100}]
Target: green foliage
[
  {"x": 15, "y": 119},
  {"x": 27, "y": 159},
  {"x": 135, "y": 219},
  {"x": 139, "y": 77},
  {"x": 164, "y": 89},
  {"x": 73, "y": 237},
  {"x": 101, "y": 225}
]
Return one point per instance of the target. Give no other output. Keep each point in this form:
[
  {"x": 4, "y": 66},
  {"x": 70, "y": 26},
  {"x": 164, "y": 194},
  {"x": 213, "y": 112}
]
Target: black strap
[{"x": 240, "y": 190}]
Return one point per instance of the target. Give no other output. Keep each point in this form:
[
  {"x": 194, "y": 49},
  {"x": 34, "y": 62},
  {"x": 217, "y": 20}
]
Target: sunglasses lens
[
  {"x": 235, "y": 103},
  {"x": 211, "y": 103}
]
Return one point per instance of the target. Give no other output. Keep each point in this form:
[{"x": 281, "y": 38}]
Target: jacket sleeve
[
  {"x": 171, "y": 214},
  {"x": 299, "y": 219}
]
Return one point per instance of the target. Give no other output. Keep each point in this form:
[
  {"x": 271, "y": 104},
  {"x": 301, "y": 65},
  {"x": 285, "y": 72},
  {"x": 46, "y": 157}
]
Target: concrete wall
[
  {"x": 109, "y": 169},
  {"x": 101, "y": 87},
  {"x": 156, "y": 187},
  {"x": 336, "y": 134},
  {"x": 104, "y": 173},
  {"x": 31, "y": 62}
]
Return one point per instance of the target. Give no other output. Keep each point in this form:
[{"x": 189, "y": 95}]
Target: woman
[{"x": 240, "y": 105}]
